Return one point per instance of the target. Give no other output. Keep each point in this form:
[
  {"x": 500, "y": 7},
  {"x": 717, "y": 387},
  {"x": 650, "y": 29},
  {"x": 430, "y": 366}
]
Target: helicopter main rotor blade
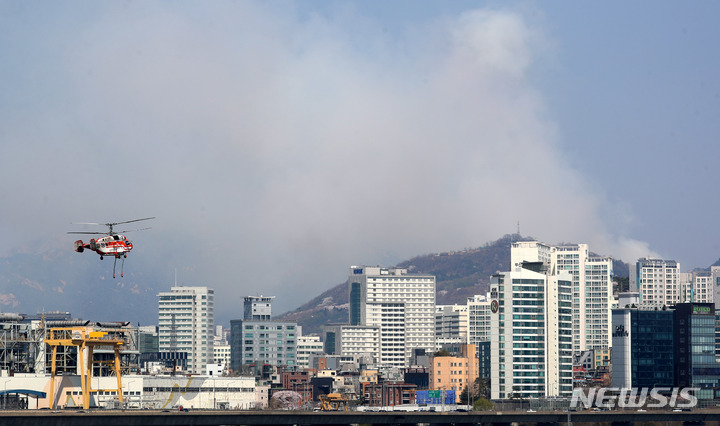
[
  {"x": 132, "y": 230},
  {"x": 129, "y": 221},
  {"x": 89, "y": 233}
]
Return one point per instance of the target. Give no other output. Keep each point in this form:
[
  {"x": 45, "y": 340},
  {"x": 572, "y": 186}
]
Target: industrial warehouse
[{"x": 51, "y": 363}]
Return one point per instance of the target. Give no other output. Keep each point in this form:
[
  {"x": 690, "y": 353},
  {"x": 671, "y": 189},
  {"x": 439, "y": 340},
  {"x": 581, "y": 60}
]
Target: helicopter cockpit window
[{"x": 116, "y": 237}]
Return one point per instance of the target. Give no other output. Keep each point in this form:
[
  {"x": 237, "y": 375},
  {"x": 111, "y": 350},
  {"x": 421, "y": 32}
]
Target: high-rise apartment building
[
  {"x": 186, "y": 323},
  {"x": 351, "y": 340},
  {"x": 478, "y": 319},
  {"x": 451, "y": 322},
  {"x": 402, "y": 305},
  {"x": 657, "y": 281},
  {"x": 592, "y": 287},
  {"x": 700, "y": 286},
  {"x": 531, "y": 332},
  {"x": 306, "y": 346}
]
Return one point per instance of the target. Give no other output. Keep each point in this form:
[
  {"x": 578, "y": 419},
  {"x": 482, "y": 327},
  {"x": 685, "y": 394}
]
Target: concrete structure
[
  {"x": 186, "y": 323},
  {"x": 222, "y": 356},
  {"x": 478, "y": 319},
  {"x": 154, "y": 392},
  {"x": 454, "y": 372},
  {"x": 628, "y": 299},
  {"x": 657, "y": 281},
  {"x": 389, "y": 394},
  {"x": 402, "y": 305},
  {"x": 351, "y": 340},
  {"x": 451, "y": 322},
  {"x": 221, "y": 348},
  {"x": 257, "y": 308},
  {"x": 701, "y": 286},
  {"x": 257, "y": 340},
  {"x": 601, "y": 358},
  {"x": 307, "y": 345},
  {"x": 531, "y": 326},
  {"x": 592, "y": 287}
]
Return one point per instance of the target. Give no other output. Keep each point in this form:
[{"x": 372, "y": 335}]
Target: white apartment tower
[
  {"x": 700, "y": 286},
  {"x": 306, "y": 346},
  {"x": 351, "y": 340},
  {"x": 402, "y": 305},
  {"x": 592, "y": 287},
  {"x": 531, "y": 332},
  {"x": 451, "y": 322},
  {"x": 186, "y": 323},
  {"x": 478, "y": 319},
  {"x": 657, "y": 281}
]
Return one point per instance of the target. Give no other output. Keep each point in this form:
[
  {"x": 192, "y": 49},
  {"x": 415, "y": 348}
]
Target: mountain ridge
[
  {"x": 459, "y": 275},
  {"x": 82, "y": 285}
]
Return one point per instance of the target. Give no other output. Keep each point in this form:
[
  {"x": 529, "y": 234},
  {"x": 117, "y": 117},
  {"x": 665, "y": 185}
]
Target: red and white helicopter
[{"x": 112, "y": 244}]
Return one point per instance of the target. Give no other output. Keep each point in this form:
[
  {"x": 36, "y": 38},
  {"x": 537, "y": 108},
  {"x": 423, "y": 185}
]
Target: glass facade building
[
  {"x": 652, "y": 348},
  {"x": 643, "y": 348},
  {"x": 672, "y": 347},
  {"x": 695, "y": 364}
]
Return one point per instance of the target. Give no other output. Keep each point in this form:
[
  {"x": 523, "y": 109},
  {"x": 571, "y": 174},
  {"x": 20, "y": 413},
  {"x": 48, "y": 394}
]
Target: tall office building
[
  {"x": 643, "y": 348},
  {"x": 531, "y": 332},
  {"x": 258, "y": 340},
  {"x": 186, "y": 323},
  {"x": 592, "y": 287},
  {"x": 402, "y": 305},
  {"x": 670, "y": 347},
  {"x": 657, "y": 281},
  {"x": 694, "y": 334}
]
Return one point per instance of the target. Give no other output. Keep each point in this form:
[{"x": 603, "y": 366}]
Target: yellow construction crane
[
  {"x": 84, "y": 338},
  {"x": 333, "y": 402}
]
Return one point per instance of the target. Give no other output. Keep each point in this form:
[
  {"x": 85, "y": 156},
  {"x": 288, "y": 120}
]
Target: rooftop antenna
[{"x": 518, "y": 231}]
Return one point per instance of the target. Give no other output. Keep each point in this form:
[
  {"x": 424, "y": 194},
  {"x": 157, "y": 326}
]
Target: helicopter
[{"x": 112, "y": 244}]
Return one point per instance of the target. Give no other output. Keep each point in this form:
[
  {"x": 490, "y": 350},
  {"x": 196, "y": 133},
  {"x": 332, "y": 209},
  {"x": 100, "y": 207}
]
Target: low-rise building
[
  {"x": 139, "y": 391},
  {"x": 454, "y": 372}
]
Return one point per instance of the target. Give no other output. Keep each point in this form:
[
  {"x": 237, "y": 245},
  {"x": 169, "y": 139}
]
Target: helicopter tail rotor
[{"x": 79, "y": 246}]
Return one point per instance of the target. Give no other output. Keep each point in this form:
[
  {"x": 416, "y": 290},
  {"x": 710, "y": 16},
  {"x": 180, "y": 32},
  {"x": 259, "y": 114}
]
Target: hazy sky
[{"x": 278, "y": 143}]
